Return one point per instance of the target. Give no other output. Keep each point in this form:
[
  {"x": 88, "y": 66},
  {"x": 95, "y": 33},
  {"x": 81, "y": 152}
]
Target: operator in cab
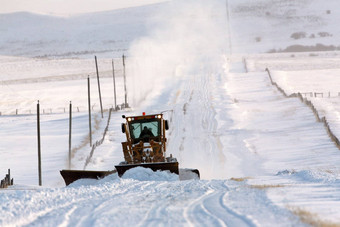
[{"x": 146, "y": 132}]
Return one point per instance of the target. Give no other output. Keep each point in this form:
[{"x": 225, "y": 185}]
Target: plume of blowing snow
[{"x": 184, "y": 37}]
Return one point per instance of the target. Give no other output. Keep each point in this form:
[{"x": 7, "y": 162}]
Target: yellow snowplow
[{"x": 145, "y": 146}]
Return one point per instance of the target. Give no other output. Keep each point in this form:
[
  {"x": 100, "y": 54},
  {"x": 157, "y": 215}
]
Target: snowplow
[{"x": 145, "y": 146}]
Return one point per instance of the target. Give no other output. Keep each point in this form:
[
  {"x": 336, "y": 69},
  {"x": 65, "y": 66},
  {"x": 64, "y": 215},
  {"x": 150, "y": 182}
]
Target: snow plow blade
[
  {"x": 189, "y": 174},
  {"x": 72, "y": 175},
  {"x": 162, "y": 166}
]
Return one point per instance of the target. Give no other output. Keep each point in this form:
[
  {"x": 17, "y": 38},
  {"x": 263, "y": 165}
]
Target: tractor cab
[
  {"x": 145, "y": 130},
  {"x": 145, "y": 139}
]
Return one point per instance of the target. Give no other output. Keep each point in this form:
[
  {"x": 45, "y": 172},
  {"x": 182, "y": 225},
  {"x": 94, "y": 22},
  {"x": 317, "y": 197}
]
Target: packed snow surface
[{"x": 263, "y": 158}]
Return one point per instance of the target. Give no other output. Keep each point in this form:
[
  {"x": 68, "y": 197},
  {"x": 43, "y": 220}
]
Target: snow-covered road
[
  {"x": 242, "y": 144},
  {"x": 160, "y": 200},
  {"x": 264, "y": 159}
]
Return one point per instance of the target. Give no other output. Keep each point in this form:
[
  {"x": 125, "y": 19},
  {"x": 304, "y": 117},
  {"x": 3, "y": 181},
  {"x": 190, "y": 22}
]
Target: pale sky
[{"x": 68, "y": 7}]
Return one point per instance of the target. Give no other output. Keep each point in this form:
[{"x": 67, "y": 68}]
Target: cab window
[{"x": 136, "y": 128}]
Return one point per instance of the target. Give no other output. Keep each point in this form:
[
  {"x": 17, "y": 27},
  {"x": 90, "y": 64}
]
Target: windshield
[{"x": 145, "y": 128}]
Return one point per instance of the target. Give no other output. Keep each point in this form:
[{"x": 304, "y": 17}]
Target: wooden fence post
[
  {"x": 9, "y": 177},
  {"x": 7, "y": 181},
  {"x": 39, "y": 146}
]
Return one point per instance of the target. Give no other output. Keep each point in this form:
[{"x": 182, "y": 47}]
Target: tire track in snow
[
  {"x": 211, "y": 210},
  {"x": 196, "y": 125},
  {"x": 70, "y": 206},
  {"x": 211, "y": 119},
  {"x": 192, "y": 215},
  {"x": 102, "y": 209},
  {"x": 208, "y": 121},
  {"x": 150, "y": 218},
  {"x": 67, "y": 217}
]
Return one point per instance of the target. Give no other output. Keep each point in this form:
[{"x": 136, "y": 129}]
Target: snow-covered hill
[
  {"x": 264, "y": 159},
  {"x": 279, "y": 25},
  {"x": 108, "y": 32}
]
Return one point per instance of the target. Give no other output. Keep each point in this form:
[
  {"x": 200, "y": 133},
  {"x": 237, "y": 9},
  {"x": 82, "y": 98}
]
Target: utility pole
[
  {"x": 39, "y": 146},
  {"x": 114, "y": 84},
  {"x": 70, "y": 136},
  {"x": 126, "y": 104},
  {"x": 228, "y": 26},
  {"x": 100, "y": 95},
  {"x": 89, "y": 103}
]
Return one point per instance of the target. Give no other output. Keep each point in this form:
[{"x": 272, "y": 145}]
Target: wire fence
[
  {"x": 320, "y": 94},
  {"x": 55, "y": 110},
  {"x": 98, "y": 142},
  {"x": 311, "y": 106}
]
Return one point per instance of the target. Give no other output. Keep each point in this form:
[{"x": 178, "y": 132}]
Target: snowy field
[
  {"x": 315, "y": 78},
  {"x": 264, "y": 159}
]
